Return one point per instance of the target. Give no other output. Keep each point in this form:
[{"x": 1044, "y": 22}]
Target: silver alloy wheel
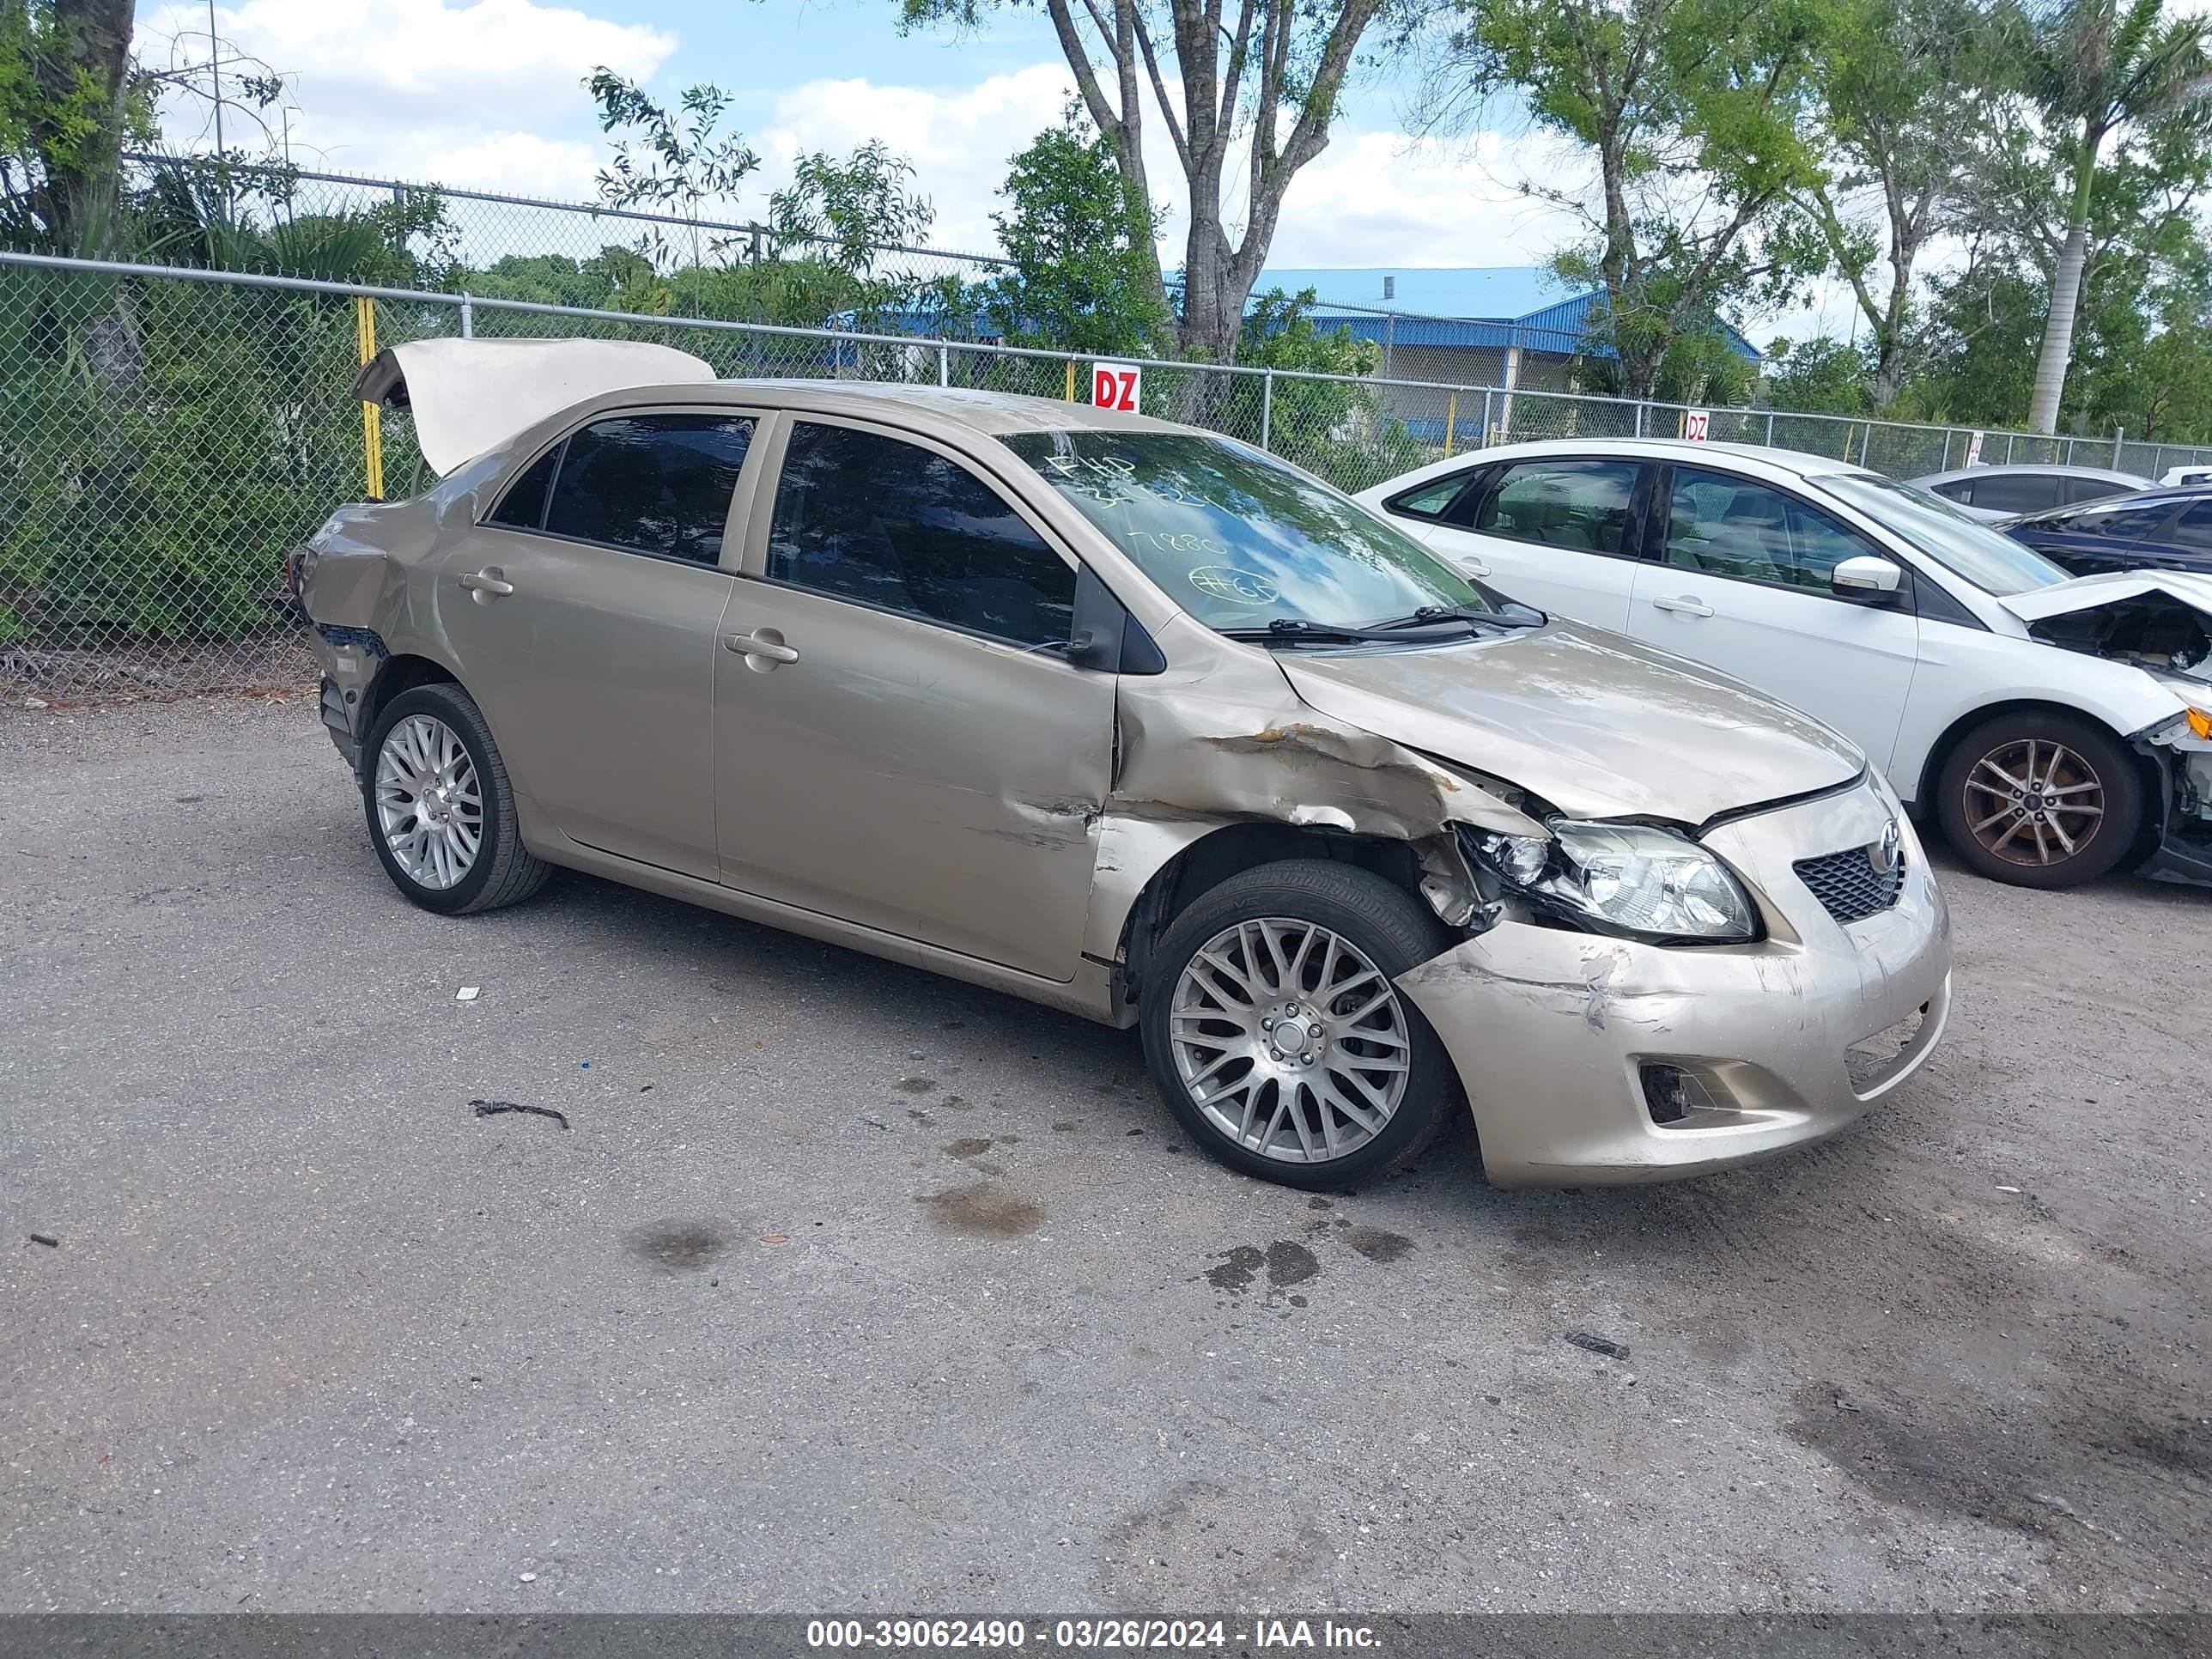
[
  {"x": 2033, "y": 789},
  {"x": 429, "y": 805},
  {"x": 1290, "y": 1040}
]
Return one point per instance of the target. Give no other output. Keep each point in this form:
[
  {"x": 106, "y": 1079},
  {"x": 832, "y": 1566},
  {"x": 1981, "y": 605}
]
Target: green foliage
[
  {"x": 1080, "y": 241},
  {"x": 160, "y": 445},
  {"x": 1822, "y": 375}
]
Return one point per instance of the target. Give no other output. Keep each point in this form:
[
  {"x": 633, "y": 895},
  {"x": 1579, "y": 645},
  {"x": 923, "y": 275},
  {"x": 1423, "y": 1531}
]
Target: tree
[
  {"x": 1821, "y": 375},
  {"x": 1084, "y": 264},
  {"x": 1896, "y": 89},
  {"x": 1257, "y": 87},
  {"x": 676, "y": 159},
  {"x": 66, "y": 104},
  {"x": 2092, "y": 69},
  {"x": 1694, "y": 112}
]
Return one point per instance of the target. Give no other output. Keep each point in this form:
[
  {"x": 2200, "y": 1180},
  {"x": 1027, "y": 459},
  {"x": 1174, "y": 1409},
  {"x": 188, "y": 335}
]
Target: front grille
[{"x": 1848, "y": 885}]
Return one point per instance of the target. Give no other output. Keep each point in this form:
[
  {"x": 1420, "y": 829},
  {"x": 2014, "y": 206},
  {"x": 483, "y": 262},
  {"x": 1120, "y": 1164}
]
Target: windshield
[
  {"x": 1989, "y": 558},
  {"x": 1238, "y": 539}
]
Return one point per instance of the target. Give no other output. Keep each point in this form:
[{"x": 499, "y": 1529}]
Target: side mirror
[{"x": 1868, "y": 579}]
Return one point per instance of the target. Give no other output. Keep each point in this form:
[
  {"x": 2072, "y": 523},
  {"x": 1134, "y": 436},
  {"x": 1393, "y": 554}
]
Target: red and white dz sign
[
  {"x": 1116, "y": 385},
  {"x": 1695, "y": 424}
]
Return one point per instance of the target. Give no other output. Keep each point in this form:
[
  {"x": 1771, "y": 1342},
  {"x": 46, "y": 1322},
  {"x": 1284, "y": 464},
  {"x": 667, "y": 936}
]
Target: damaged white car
[
  {"x": 1136, "y": 721},
  {"x": 2056, "y": 728}
]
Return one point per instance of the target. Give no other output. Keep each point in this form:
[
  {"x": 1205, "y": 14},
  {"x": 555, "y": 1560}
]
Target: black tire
[
  {"x": 1972, "y": 786},
  {"x": 504, "y": 872},
  {"x": 1384, "y": 923}
]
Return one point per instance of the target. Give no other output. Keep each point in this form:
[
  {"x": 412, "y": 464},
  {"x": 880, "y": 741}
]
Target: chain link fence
[{"x": 166, "y": 435}]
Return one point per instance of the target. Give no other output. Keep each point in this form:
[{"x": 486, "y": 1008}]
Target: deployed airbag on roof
[{"x": 469, "y": 395}]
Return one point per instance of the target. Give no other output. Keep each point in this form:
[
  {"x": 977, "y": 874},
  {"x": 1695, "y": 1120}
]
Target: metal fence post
[
  {"x": 1639, "y": 420},
  {"x": 1266, "y": 407},
  {"x": 1451, "y": 421},
  {"x": 1486, "y": 436},
  {"x": 1770, "y": 429},
  {"x": 943, "y": 367},
  {"x": 2009, "y": 443},
  {"x": 2119, "y": 433},
  {"x": 468, "y": 317}
]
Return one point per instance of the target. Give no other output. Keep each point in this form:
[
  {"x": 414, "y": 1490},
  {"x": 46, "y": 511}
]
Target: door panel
[
  {"x": 906, "y": 777},
  {"x": 1556, "y": 533},
  {"x": 1742, "y": 586},
  {"x": 597, "y": 675}
]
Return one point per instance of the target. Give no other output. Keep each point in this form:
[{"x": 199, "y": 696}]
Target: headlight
[{"x": 1628, "y": 878}]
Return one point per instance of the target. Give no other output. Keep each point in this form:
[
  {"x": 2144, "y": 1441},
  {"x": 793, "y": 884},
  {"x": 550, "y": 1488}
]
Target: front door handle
[
  {"x": 1688, "y": 606},
  {"x": 489, "y": 582},
  {"x": 1474, "y": 567},
  {"x": 767, "y": 643}
]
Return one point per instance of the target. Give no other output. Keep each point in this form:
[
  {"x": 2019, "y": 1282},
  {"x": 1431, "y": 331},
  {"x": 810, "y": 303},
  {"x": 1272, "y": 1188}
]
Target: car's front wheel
[
  {"x": 440, "y": 809},
  {"x": 2040, "y": 800},
  {"x": 1277, "y": 1035}
]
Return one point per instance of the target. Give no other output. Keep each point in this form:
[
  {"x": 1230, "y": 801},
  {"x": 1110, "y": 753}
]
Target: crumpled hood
[
  {"x": 2111, "y": 587},
  {"x": 469, "y": 395},
  {"x": 1597, "y": 724}
]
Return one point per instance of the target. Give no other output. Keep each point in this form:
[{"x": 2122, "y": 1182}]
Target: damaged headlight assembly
[{"x": 1635, "y": 879}]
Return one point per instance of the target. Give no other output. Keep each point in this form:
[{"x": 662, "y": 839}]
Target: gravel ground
[{"x": 852, "y": 1288}]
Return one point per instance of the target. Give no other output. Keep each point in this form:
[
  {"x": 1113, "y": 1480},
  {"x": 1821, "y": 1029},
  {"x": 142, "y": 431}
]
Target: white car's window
[
  {"x": 1430, "y": 499},
  {"x": 1579, "y": 505},
  {"x": 1727, "y": 526},
  {"x": 1238, "y": 538},
  {"x": 2015, "y": 492},
  {"x": 650, "y": 483},
  {"x": 1989, "y": 558},
  {"x": 862, "y": 516}
]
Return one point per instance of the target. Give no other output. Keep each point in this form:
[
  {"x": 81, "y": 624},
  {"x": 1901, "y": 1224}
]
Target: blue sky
[{"x": 488, "y": 93}]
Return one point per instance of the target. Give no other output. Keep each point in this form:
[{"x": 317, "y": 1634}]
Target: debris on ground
[
  {"x": 775, "y": 1238},
  {"x": 2008, "y": 1189},
  {"x": 468, "y": 993},
  {"x": 1844, "y": 1403},
  {"x": 493, "y": 1107},
  {"x": 875, "y": 1123},
  {"x": 46, "y": 1239},
  {"x": 1598, "y": 1345}
]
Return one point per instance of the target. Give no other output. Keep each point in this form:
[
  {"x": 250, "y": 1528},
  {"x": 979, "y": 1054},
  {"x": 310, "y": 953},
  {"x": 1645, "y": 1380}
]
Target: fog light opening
[{"x": 1671, "y": 1094}]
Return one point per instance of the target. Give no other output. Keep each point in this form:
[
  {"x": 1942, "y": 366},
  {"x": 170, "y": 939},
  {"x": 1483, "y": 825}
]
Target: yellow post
[
  {"x": 372, "y": 417},
  {"x": 1071, "y": 380},
  {"x": 1451, "y": 421}
]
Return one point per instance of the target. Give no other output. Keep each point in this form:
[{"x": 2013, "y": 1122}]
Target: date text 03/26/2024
[{"x": 1123, "y": 1635}]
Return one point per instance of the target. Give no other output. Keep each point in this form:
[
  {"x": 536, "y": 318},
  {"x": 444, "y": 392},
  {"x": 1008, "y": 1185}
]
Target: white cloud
[
  {"x": 959, "y": 141},
  {"x": 489, "y": 93}
]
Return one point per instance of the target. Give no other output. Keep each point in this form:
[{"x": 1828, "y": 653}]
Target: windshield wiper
[
  {"x": 1286, "y": 630},
  {"x": 1432, "y": 615}
]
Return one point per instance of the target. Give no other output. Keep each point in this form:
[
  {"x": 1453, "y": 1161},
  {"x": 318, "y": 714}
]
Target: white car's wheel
[{"x": 2040, "y": 800}]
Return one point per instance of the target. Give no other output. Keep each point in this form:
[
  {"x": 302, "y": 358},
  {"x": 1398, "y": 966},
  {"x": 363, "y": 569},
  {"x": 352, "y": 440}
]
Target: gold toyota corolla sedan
[{"x": 1134, "y": 720}]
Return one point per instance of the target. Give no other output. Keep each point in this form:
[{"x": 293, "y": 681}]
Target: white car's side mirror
[{"x": 1867, "y": 578}]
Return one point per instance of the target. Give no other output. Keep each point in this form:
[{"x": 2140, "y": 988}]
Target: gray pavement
[{"x": 852, "y": 1288}]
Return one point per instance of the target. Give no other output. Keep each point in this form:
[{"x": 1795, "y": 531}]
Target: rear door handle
[
  {"x": 487, "y": 583},
  {"x": 1688, "y": 606},
  {"x": 759, "y": 645}
]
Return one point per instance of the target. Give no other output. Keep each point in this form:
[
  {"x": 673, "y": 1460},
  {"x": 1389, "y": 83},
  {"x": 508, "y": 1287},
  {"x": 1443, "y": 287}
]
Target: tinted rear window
[{"x": 652, "y": 483}]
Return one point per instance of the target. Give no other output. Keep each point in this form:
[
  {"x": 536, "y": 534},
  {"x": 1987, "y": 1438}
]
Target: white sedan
[{"x": 2056, "y": 728}]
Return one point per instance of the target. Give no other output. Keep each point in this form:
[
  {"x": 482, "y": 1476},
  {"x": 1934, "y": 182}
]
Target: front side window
[
  {"x": 1582, "y": 506},
  {"x": 1235, "y": 538},
  {"x": 1732, "y": 526},
  {"x": 862, "y": 516},
  {"x": 1989, "y": 558},
  {"x": 651, "y": 483}
]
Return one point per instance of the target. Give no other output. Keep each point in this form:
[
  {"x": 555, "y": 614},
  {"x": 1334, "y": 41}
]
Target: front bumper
[{"x": 1552, "y": 1030}]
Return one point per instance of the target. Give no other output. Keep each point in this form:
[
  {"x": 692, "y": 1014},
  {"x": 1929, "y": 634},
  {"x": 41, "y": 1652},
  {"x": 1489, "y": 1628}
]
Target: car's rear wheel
[
  {"x": 1277, "y": 1035},
  {"x": 440, "y": 809},
  {"x": 2040, "y": 800}
]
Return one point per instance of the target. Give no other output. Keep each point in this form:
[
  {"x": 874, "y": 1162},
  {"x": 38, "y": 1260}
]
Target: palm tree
[{"x": 2094, "y": 67}]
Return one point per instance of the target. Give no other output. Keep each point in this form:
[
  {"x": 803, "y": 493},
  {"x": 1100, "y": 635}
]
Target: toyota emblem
[{"x": 1884, "y": 854}]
